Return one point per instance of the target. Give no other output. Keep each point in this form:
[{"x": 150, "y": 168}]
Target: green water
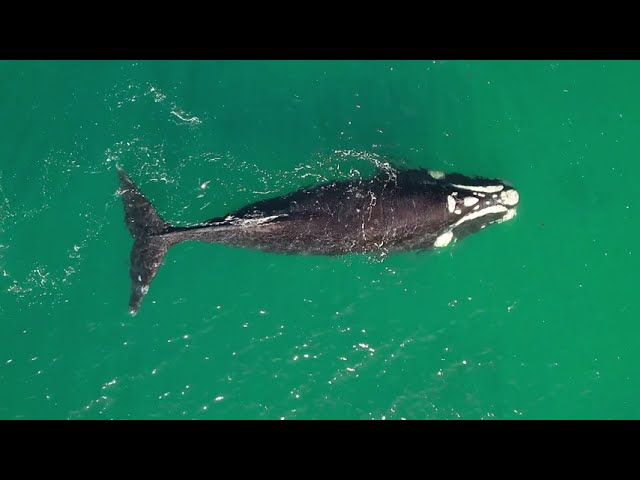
[{"x": 534, "y": 318}]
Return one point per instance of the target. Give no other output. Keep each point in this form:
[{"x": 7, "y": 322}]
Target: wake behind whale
[{"x": 394, "y": 210}]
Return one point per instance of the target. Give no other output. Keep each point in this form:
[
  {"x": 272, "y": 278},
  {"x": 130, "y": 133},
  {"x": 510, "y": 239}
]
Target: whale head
[{"x": 472, "y": 203}]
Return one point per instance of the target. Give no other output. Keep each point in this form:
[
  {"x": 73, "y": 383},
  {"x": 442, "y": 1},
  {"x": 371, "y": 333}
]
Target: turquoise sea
[{"x": 535, "y": 318}]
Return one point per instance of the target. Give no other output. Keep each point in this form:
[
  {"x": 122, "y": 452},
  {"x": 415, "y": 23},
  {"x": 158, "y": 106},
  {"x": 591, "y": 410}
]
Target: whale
[{"x": 393, "y": 210}]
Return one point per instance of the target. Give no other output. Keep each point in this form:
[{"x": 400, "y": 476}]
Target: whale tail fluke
[{"x": 149, "y": 245}]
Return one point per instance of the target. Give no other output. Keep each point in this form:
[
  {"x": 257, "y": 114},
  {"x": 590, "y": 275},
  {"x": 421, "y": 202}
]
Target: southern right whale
[{"x": 395, "y": 210}]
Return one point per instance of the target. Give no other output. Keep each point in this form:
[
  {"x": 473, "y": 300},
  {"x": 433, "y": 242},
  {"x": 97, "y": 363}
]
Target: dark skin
[
  {"x": 401, "y": 211},
  {"x": 396, "y": 210}
]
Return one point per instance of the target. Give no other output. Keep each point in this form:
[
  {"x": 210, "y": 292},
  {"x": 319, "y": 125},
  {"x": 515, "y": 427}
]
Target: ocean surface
[{"x": 535, "y": 318}]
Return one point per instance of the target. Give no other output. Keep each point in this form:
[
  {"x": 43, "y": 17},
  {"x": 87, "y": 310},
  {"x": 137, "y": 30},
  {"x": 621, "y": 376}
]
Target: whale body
[{"x": 395, "y": 210}]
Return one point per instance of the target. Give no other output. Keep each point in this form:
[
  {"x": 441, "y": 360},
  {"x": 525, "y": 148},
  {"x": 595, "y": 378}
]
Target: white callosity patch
[
  {"x": 480, "y": 188},
  {"x": 444, "y": 239},
  {"x": 451, "y": 203},
  {"x": 470, "y": 201},
  {"x": 508, "y": 216},
  {"x": 482, "y": 213},
  {"x": 437, "y": 174},
  {"x": 502, "y": 202},
  {"x": 509, "y": 197}
]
